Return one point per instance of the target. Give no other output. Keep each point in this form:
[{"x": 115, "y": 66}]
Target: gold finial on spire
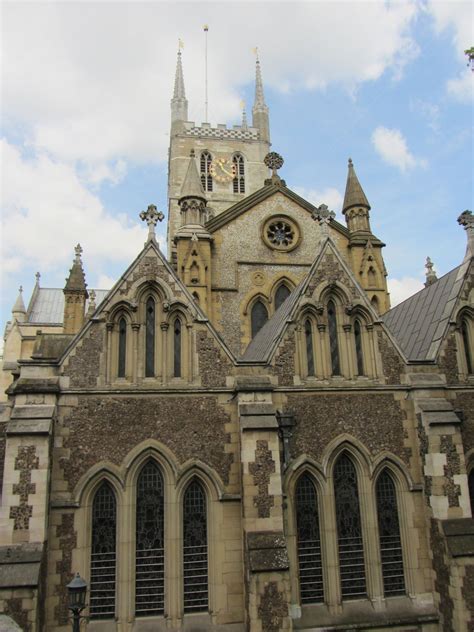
[
  {"x": 180, "y": 44},
  {"x": 255, "y": 51}
]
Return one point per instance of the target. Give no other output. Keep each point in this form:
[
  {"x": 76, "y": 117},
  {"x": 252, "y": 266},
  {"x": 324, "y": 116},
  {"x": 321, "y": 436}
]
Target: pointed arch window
[
  {"x": 206, "y": 177},
  {"x": 195, "y": 564},
  {"x": 177, "y": 348},
  {"x": 358, "y": 348},
  {"x": 281, "y": 295},
  {"x": 389, "y": 536},
  {"x": 308, "y": 335},
  {"x": 259, "y": 317},
  {"x": 470, "y": 482},
  {"x": 103, "y": 554},
  {"x": 122, "y": 347},
  {"x": 150, "y": 559},
  {"x": 309, "y": 542},
  {"x": 333, "y": 342},
  {"x": 349, "y": 530},
  {"x": 239, "y": 170},
  {"x": 467, "y": 345},
  {"x": 150, "y": 338}
]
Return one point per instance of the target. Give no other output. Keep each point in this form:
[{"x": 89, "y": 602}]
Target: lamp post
[{"x": 76, "y": 590}]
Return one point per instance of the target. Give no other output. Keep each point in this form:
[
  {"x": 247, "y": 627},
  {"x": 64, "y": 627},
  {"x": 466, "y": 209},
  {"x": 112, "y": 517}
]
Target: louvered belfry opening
[
  {"x": 309, "y": 542},
  {"x": 389, "y": 535},
  {"x": 150, "y": 559},
  {"x": 103, "y": 554},
  {"x": 349, "y": 530},
  {"x": 195, "y": 565}
]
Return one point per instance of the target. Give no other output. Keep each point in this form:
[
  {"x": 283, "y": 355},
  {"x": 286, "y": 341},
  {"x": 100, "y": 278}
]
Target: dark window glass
[
  {"x": 467, "y": 345},
  {"x": 389, "y": 535},
  {"x": 177, "y": 348},
  {"x": 149, "y": 569},
  {"x": 308, "y": 334},
  {"x": 122, "y": 349},
  {"x": 333, "y": 343},
  {"x": 206, "y": 178},
  {"x": 195, "y": 549},
  {"x": 281, "y": 295},
  {"x": 309, "y": 542},
  {"x": 349, "y": 530},
  {"x": 358, "y": 346},
  {"x": 103, "y": 554},
  {"x": 470, "y": 481},
  {"x": 150, "y": 339},
  {"x": 259, "y": 317},
  {"x": 239, "y": 178}
]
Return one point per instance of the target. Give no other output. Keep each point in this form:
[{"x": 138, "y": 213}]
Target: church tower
[{"x": 229, "y": 161}]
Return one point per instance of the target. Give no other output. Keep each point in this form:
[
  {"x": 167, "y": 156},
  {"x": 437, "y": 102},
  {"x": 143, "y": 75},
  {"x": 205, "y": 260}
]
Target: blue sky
[{"x": 85, "y": 97}]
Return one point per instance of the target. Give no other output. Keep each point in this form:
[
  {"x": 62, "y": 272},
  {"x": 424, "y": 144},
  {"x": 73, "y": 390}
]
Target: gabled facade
[{"x": 242, "y": 435}]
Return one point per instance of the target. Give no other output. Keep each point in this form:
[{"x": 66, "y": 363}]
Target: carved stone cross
[
  {"x": 151, "y": 216},
  {"x": 323, "y": 216},
  {"x": 78, "y": 250}
]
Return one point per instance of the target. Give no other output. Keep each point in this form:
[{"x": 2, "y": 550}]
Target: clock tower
[{"x": 229, "y": 161}]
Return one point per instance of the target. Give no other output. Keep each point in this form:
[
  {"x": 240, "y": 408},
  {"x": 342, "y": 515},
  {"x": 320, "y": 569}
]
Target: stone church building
[{"x": 242, "y": 435}]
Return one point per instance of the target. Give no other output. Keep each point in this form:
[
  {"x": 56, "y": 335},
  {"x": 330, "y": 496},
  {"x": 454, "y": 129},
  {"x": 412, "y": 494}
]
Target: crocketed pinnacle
[
  {"x": 76, "y": 281},
  {"x": 259, "y": 103},
  {"x": 19, "y": 307},
  {"x": 179, "y": 80},
  {"x": 354, "y": 195},
  {"x": 192, "y": 186},
  {"x": 244, "y": 119}
]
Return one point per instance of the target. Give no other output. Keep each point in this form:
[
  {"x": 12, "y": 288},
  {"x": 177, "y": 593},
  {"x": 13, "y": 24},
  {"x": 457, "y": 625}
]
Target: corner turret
[
  {"x": 356, "y": 207},
  {"x": 75, "y": 295},
  {"x": 19, "y": 310}
]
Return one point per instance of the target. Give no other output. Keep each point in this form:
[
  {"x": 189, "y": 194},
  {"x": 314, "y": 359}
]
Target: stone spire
[
  {"x": 260, "y": 118},
  {"x": 75, "y": 295},
  {"x": 192, "y": 200},
  {"x": 244, "y": 117},
  {"x": 356, "y": 206},
  {"x": 19, "y": 311},
  {"x": 466, "y": 219},
  {"x": 430, "y": 273},
  {"x": 179, "y": 103}
]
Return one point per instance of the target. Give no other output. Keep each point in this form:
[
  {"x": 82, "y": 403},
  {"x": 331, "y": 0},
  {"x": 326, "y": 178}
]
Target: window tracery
[
  {"x": 239, "y": 178},
  {"x": 389, "y": 536},
  {"x": 195, "y": 563},
  {"x": 206, "y": 177}
]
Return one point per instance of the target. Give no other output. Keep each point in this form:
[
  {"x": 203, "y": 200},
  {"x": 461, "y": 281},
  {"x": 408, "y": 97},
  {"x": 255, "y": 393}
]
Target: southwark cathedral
[{"x": 241, "y": 435}]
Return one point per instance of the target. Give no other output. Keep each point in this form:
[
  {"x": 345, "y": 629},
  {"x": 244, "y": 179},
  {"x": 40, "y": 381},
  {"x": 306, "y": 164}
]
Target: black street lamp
[{"x": 76, "y": 590}]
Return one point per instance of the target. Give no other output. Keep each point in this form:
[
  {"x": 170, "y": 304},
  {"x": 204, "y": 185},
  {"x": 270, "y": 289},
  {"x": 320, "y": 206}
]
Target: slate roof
[
  {"x": 47, "y": 305},
  {"x": 419, "y": 323}
]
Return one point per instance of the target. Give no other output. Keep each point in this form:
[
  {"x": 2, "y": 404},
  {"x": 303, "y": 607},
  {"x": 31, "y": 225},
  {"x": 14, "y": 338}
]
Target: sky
[{"x": 85, "y": 98}]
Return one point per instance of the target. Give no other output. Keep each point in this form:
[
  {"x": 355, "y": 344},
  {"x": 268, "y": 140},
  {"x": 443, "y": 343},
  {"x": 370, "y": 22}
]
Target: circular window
[{"x": 281, "y": 233}]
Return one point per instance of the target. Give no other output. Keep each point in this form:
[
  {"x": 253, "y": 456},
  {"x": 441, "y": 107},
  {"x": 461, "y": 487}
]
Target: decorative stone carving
[
  {"x": 26, "y": 461},
  {"x": 261, "y": 469},
  {"x": 151, "y": 216}
]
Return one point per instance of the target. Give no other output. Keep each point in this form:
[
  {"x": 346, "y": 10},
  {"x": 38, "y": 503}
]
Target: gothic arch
[
  {"x": 90, "y": 481},
  {"x": 141, "y": 453},
  {"x": 354, "y": 448},
  {"x": 208, "y": 476}
]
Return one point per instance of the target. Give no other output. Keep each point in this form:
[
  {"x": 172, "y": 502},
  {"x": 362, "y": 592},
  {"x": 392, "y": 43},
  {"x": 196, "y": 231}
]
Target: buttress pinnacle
[{"x": 259, "y": 103}]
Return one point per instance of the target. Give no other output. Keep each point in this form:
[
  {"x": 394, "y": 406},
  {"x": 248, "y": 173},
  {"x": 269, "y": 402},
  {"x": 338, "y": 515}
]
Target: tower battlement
[{"x": 205, "y": 130}]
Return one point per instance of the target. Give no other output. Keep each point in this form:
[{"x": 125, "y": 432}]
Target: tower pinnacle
[
  {"x": 260, "y": 117},
  {"x": 179, "y": 103},
  {"x": 19, "y": 311}
]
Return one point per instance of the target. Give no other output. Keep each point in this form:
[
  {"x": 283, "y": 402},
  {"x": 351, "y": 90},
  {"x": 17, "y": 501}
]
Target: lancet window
[
  {"x": 150, "y": 559},
  {"x": 308, "y": 335},
  {"x": 389, "y": 536},
  {"x": 177, "y": 340},
  {"x": 150, "y": 338},
  {"x": 281, "y": 295},
  {"x": 309, "y": 542},
  {"x": 349, "y": 530},
  {"x": 195, "y": 563},
  {"x": 103, "y": 554},
  {"x": 122, "y": 347},
  {"x": 467, "y": 345},
  {"x": 259, "y": 317},
  {"x": 359, "y": 348},
  {"x": 333, "y": 339},
  {"x": 239, "y": 177},
  {"x": 206, "y": 177},
  {"x": 470, "y": 481}
]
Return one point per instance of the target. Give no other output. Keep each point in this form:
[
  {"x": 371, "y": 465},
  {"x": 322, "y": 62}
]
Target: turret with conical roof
[
  {"x": 19, "y": 310},
  {"x": 356, "y": 206},
  {"x": 192, "y": 200},
  {"x": 260, "y": 118},
  {"x": 179, "y": 103},
  {"x": 75, "y": 295}
]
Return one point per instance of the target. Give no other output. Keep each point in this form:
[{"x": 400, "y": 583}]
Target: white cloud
[
  {"x": 430, "y": 112},
  {"x": 462, "y": 87},
  {"x": 401, "y": 289},
  {"x": 392, "y": 146},
  {"x": 105, "y": 282},
  {"x": 330, "y": 196}
]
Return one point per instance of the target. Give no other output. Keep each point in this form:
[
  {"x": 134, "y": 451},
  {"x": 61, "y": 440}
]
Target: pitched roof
[
  {"x": 47, "y": 305},
  {"x": 420, "y": 322}
]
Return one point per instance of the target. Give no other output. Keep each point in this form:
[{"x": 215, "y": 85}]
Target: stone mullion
[
  {"x": 330, "y": 550},
  {"x": 135, "y": 351},
  {"x": 188, "y": 359},
  {"x": 371, "y": 364},
  {"x": 347, "y": 352},
  {"x": 373, "y": 562},
  {"x": 324, "y": 351},
  {"x": 302, "y": 372},
  {"x": 109, "y": 328}
]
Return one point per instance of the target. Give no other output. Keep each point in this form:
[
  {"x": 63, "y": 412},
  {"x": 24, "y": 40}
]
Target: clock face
[{"x": 222, "y": 169}]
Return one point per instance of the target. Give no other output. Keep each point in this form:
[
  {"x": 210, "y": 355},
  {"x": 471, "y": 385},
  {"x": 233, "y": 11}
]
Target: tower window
[
  {"x": 333, "y": 342},
  {"x": 358, "y": 347},
  {"x": 239, "y": 178},
  {"x": 103, "y": 554},
  {"x": 177, "y": 348},
  {"x": 150, "y": 339},
  {"x": 195, "y": 572},
  {"x": 389, "y": 535},
  {"x": 206, "y": 177},
  {"x": 122, "y": 349},
  {"x": 470, "y": 481},
  {"x": 150, "y": 559},
  {"x": 308, "y": 334},
  {"x": 309, "y": 542},
  {"x": 467, "y": 345},
  {"x": 259, "y": 317},
  {"x": 281, "y": 295},
  {"x": 349, "y": 529}
]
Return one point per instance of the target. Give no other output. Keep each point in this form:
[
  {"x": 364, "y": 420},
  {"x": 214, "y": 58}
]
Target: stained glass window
[
  {"x": 177, "y": 348},
  {"x": 150, "y": 338},
  {"x": 239, "y": 178},
  {"x": 195, "y": 572},
  {"x": 206, "y": 178},
  {"x": 122, "y": 347},
  {"x": 333, "y": 342},
  {"x": 470, "y": 481},
  {"x": 349, "y": 530},
  {"x": 150, "y": 559},
  {"x": 281, "y": 295},
  {"x": 309, "y": 542},
  {"x": 467, "y": 345},
  {"x": 358, "y": 347},
  {"x": 259, "y": 317},
  {"x": 308, "y": 334},
  {"x": 389, "y": 536},
  {"x": 103, "y": 554}
]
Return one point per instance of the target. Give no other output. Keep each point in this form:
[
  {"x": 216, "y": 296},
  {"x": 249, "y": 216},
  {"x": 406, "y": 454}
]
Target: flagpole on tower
[{"x": 206, "y": 29}]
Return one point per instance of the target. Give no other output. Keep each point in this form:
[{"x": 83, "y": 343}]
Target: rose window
[{"x": 281, "y": 233}]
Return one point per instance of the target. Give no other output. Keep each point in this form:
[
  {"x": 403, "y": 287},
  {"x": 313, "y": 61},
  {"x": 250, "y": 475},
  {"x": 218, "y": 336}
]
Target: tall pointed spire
[
  {"x": 19, "y": 311},
  {"x": 260, "y": 117},
  {"x": 75, "y": 295},
  {"x": 179, "y": 103},
  {"x": 192, "y": 200},
  {"x": 354, "y": 195}
]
